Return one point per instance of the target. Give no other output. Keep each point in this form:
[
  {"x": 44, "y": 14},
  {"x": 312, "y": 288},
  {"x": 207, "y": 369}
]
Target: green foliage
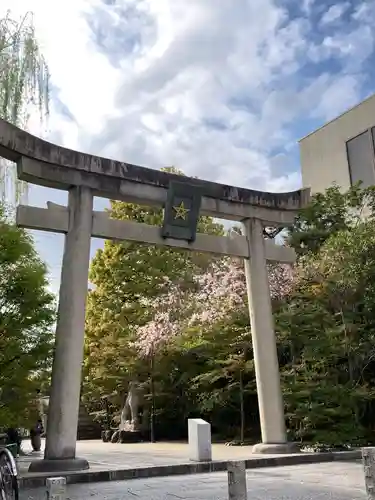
[
  {"x": 225, "y": 388},
  {"x": 328, "y": 213},
  {"x": 320, "y": 399},
  {"x": 26, "y": 319},
  {"x": 324, "y": 326},
  {"x": 24, "y": 83},
  {"x": 326, "y": 333},
  {"x": 126, "y": 277},
  {"x": 23, "y": 72}
]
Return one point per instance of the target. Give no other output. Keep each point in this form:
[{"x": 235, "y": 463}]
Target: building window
[{"x": 361, "y": 158}]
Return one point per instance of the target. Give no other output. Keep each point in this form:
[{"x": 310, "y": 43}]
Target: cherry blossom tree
[{"x": 212, "y": 296}]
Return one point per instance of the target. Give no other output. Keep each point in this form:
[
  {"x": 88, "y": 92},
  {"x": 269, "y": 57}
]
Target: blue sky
[{"x": 223, "y": 89}]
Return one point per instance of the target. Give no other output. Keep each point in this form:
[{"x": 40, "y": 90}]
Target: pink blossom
[{"x": 215, "y": 294}]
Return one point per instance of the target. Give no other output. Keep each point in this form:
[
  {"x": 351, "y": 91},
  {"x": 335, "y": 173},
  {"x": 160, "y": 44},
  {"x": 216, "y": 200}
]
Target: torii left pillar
[{"x": 60, "y": 452}]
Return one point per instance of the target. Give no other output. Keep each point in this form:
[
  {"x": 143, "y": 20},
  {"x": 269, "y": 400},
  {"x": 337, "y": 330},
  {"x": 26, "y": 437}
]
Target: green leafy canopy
[{"x": 27, "y": 315}]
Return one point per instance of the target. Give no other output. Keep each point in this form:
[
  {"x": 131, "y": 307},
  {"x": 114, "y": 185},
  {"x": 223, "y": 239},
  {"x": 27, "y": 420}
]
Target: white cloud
[
  {"x": 186, "y": 79},
  {"x": 338, "y": 96},
  {"x": 212, "y": 90},
  {"x": 353, "y": 47},
  {"x": 335, "y": 12},
  {"x": 86, "y": 83},
  {"x": 215, "y": 88},
  {"x": 364, "y": 11},
  {"x": 307, "y": 6},
  {"x": 84, "y": 77}
]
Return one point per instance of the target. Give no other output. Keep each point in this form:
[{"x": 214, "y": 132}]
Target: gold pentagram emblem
[{"x": 181, "y": 211}]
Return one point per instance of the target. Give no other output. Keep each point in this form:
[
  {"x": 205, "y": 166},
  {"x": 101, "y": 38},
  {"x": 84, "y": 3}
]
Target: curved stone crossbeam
[{"x": 16, "y": 144}]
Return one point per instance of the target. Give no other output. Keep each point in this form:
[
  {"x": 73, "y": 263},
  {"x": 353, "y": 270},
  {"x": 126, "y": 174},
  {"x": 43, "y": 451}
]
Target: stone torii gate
[{"x": 85, "y": 176}]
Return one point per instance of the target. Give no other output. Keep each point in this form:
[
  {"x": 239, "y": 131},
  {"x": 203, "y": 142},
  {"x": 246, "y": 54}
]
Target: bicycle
[{"x": 8, "y": 476}]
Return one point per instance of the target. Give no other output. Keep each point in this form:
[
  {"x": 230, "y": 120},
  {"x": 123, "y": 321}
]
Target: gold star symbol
[{"x": 181, "y": 211}]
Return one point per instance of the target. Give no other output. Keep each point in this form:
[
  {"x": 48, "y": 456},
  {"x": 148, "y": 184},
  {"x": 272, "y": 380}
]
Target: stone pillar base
[
  {"x": 59, "y": 465},
  {"x": 276, "y": 448}
]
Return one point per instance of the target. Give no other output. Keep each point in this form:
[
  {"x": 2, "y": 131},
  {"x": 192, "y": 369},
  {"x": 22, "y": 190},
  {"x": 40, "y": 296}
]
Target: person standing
[
  {"x": 36, "y": 435},
  {"x": 14, "y": 437}
]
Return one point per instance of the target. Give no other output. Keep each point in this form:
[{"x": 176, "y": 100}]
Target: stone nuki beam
[
  {"x": 41, "y": 162},
  {"x": 55, "y": 218}
]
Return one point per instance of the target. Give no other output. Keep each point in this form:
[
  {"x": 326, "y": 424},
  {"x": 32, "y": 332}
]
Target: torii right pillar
[{"x": 270, "y": 401}]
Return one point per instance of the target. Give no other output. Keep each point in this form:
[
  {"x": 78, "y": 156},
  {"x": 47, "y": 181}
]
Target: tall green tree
[
  {"x": 328, "y": 213},
  {"x": 326, "y": 332},
  {"x": 24, "y": 85},
  {"x": 224, "y": 386},
  {"x": 126, "y": 277},
  {"x": 27, "y": 314},
  {"x": 324, "y": 319}
]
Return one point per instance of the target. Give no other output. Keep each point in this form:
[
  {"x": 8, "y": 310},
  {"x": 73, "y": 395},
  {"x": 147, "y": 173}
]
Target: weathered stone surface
[
  {"x": 324, "y": 482},
  {"x": 130, "y": 413},
  {"x": 280, "y": 448},
  {"x": 237, "y": 489},
  {"x": 111, "y": 462},
  {"x": 56, "y": 488},
  {"x": 68, "y": 356},
  {"x": 368, "y": 458},
  {"x": 60, "y": 177},
  {"x": 56, "y": 218},
  {"x": 58, "y": 466},
  {"x": 130, "y": 436},
  {"x": 15, "y": 143},
  {"x": 115, "y": 437},
  {"x": 106, "y": 436},
  {"x": 271, "y": 407}
]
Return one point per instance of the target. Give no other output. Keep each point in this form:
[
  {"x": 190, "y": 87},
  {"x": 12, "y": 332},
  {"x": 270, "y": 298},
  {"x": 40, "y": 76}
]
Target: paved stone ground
[
  {"x": 330, "y": 481},
  {"x": 108, "y": 456}
]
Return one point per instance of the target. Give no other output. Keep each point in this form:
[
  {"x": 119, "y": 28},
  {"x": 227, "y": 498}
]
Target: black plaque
[{"x": 181, "y": 211}]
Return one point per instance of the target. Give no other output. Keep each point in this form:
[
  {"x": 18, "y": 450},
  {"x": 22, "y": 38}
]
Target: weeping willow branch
[{"x": 24, "y": 87}]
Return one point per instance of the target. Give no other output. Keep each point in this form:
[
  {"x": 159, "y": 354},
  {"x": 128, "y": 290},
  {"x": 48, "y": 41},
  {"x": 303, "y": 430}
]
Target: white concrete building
[{"x": 341, "y": 151}]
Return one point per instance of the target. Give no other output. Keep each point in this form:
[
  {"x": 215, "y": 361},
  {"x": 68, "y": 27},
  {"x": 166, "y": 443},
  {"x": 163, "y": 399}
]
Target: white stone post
[
  {"x": 56, "y": 488},
  {"x": 199, "y": 432},
  {"x": 267, "y": 374},
  {"x": 60, "y": 452},
  {"x": 237, "y": 489},
  {"x": 368, "y": 460}
]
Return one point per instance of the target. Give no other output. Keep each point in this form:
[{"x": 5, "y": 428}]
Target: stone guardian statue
[{"x": 129, "y": 420}]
